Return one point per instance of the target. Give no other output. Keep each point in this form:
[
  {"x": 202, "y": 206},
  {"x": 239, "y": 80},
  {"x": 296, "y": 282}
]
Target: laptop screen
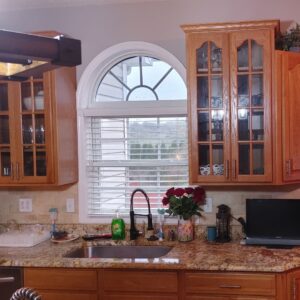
[{"x": 273, "y": 218}]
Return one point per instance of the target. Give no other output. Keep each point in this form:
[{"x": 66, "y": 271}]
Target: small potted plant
[
  {"x": 184, "y": 203},
  {"x": 289, "y": 41}
]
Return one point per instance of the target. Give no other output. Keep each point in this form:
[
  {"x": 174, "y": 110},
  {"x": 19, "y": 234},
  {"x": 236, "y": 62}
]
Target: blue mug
[{"x": 211, "y": 233}]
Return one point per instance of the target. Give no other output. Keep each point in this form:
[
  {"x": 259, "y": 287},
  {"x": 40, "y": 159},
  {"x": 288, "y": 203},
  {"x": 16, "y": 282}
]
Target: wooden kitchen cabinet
[
  {"x": 138, "y": 284},
  {"x": 243, "y": 109},
  {"x": 38, "y": 135},
  {"x": 62, "y": 284},
  {"x": 146, "y": 284},
  {"x": 288, "y": 94},
  {"x": 229, "y": 79},
  {"x": 229, "y": 286}
]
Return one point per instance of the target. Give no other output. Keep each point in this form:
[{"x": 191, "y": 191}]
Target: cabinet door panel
[
  {"x": 209, "y": 107},
  {"x": 7, "y": 137},
  {"x": 291, "y": 117},
  {"x": 250, "y": 74},
  {"x": 293, "y": 285},
  {"x": 135, "y": 281}
]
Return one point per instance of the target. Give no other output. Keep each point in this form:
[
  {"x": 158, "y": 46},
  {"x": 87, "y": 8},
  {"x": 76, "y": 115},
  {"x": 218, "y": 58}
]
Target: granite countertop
[{"x": 195, "y": 255}]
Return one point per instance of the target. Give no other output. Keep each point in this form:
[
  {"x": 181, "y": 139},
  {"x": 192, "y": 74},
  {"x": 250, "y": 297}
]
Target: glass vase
[{"x": 185, "y": 230}]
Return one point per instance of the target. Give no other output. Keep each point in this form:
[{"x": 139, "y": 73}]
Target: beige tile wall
[{"x": 43, "y": 200}]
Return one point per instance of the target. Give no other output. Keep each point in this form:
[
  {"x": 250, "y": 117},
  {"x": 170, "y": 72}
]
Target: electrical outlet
[
  {"x": 25, "y": 205},
  {"x": 208, "y": 205},
  {"x": 70, "y": 205}
]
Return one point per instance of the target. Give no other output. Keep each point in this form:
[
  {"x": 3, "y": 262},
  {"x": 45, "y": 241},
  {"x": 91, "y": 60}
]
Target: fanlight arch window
[
  {"x": 141, "y": 78},
  {"x": 135, "y": 131}
]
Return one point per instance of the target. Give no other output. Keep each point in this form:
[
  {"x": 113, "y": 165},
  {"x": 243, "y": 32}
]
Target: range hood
[{"x": 24, "y": 55}]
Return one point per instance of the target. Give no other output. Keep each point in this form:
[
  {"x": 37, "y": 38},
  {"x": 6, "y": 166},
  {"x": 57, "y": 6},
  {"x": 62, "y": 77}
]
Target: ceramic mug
[
  {"x": 211, "y": 233},
  {"x": 218, "y": 169},
  {"x": 205, "y": 170}
]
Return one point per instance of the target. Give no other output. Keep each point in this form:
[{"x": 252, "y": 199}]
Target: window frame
[{"x": 86, "y": 92}]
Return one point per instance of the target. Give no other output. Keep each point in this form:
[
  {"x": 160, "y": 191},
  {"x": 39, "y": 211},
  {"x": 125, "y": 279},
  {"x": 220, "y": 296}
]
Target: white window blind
[{"x": 123, "y": 154}]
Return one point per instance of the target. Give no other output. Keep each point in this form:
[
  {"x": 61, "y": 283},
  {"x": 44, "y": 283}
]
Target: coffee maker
[{"x": 223, "y": 224}]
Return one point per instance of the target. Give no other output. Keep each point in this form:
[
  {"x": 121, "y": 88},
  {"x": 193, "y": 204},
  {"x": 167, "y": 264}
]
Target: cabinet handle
[
  {"x": 227, "y": 169},
  {"x": 229, "y": 286},
  {"x": 12, "y": 173},
  {"x": 288, "y": 164},
  {"x": 7, "y": 279},
  {"x": 17, "y": 171},
  {"x": 234, "y": 169}
]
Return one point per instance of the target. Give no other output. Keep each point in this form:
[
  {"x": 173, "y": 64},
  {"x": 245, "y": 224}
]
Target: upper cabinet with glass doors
[
  {"x": 233, "y": 136},
  {"x": 38, "y": 141}
]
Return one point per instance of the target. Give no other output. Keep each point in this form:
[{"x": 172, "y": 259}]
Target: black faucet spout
[{"x": 134, "y": 233}]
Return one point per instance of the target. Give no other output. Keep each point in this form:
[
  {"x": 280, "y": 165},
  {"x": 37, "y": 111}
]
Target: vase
[{"x": 185, "y": 230}]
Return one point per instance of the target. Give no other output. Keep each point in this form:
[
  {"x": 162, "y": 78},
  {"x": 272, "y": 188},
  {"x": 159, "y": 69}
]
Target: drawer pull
[
  {"x": 7, "y": 279},
  {"x": 229, "y": 286}
]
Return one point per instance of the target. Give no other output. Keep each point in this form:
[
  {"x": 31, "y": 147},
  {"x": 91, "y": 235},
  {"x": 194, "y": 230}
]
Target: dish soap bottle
[{"x": 118, "y": 228}]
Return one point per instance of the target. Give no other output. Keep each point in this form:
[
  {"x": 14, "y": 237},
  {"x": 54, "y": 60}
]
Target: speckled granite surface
[{"x": 195, "y": 255}]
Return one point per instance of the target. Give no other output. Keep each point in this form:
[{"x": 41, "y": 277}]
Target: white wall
[{"x": 99, "y": 27}]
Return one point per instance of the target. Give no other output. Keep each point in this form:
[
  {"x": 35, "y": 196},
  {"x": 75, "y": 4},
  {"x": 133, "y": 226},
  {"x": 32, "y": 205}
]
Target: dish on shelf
[
  {"x": 38, "y": 102},
  {"x": 64, "y": 239}
]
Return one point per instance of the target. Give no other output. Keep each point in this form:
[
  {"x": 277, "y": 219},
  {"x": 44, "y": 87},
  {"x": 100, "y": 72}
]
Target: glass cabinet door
[
  {"x": 251, "y": 109},
  {"x": 33, "y": 128},
  {"x": 211, "y": 112},
  {"x": 5, "y": 142}
]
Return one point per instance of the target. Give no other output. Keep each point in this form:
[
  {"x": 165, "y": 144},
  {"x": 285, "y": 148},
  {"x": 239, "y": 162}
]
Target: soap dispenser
[
  {"x": 118, "y": 228},
  {"x": 53, "y": 216}
]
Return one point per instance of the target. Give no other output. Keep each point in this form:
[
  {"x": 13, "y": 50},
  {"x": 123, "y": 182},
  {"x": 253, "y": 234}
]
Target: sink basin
[{"x": 119, "y": 252}]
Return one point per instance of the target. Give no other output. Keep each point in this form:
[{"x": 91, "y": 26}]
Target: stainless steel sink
[{"x": 119, "y": 252}]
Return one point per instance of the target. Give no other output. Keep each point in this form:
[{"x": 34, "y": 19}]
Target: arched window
[{"x": 132, "y": 129}]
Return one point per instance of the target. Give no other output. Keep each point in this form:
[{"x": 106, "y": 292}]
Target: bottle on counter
[{"x": 118, "y": 228}]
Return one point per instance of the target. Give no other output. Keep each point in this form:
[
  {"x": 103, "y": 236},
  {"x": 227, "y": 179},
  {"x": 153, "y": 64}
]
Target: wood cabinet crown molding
[{"x": 232, "y": 26}]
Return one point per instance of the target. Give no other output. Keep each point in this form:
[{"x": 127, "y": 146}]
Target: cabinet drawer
[
  {"x": 136, "y": 281},
  {"x": 119, "y": 296},
  {"x": 207, "y": 297},
  {"x": 67, "y": 296},
  {"x": 61, "y": 279},
  {"x": 230, "y": 283}
]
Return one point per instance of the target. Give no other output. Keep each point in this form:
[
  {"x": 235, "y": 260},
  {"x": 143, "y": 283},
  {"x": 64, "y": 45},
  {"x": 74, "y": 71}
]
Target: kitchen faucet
[{"x": 134, "y": 233}]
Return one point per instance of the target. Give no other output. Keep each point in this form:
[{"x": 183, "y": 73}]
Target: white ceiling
[{"x": 6, "y": 5}]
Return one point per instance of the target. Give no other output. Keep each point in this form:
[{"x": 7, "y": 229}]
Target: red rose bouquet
[{"x": 184, "y": 202}]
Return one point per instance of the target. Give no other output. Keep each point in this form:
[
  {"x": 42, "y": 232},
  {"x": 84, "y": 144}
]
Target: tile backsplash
[{"x": 43, "y": 200}]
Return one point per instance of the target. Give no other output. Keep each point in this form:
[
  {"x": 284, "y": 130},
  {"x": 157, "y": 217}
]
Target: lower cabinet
[{"x": 125, "y": 284}]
